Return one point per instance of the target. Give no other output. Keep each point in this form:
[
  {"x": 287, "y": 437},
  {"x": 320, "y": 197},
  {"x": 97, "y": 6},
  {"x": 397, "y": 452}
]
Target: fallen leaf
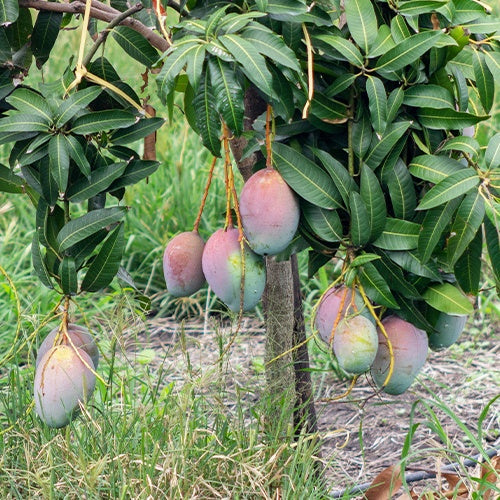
[
  {"x": 490, "y": 474},
  {"x": 385, "y": 484}
]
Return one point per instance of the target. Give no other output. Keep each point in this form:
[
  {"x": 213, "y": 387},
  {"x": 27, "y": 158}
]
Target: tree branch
[{"x": 98, "y": 11}]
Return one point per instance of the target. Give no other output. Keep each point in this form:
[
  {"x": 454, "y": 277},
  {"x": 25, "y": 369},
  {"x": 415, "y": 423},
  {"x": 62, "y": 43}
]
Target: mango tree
[{"x": 367, "y": 110}]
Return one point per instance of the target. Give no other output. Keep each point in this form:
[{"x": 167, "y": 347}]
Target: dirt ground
[{"x": 362, "y": 434}]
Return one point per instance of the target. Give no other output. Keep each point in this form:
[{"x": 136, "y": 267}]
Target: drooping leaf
[
  {"x": 410, "y": 310},
  {"x": 325, "y": 223},
  {"x": 135, "y": 45},
  {"x": 428, "y": 96},
  {"x": 467, "y": 269},
  {"x": 45, "y": 32},
  {"x": 48, "y": 183},
  {"x": 377, "y": 100},
  {"x": 99, "y": 121},
  {"x": 106, "y": 263},
  {"x": 137, "y": 131},
  {"x": 360, "y": 222},
  {"x": 439, "y": 119},
  {"x": 305, "y": 177},
  {"x": 67, "y": 273},
  {"x": 362, "y": 22},
  {"x": 194, "y": 66},
  {"x": 9, "y": 181},
  {"x": 361, "y": 134},
  {"x": 373, "y": 196},
  {"x": 75, "y": 103},
  {"x": 82, "y": 227},
  {"x": 462, "y": 143},
  {"x": 59, "y": 161},
  {"x": 484, "y": 80},
  {"x": 448, "y": 299},
  {"x": 434, "y": 168},
  {"x": 376, "y": 287},
  {"x": 38, "y": 261},
  {"x": 394, "y": 275},
  {"x": 379, "y": 148},
  {"x": 467, "y": 220},
  {"x": 451, "y": 187},
  {"x": 398, "y": 235},
  {"x": 402, "y": 191}
]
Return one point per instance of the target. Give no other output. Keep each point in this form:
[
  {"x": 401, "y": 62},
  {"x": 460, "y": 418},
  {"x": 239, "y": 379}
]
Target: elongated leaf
[
  {"x": 39, "y": 263},
  {"x": 194, "y": 66},
  {"x": 45, "y": 32},
  {"x": 402, "y": 191},
  {"x": 448, "y": 299},
  {"x": 428, "y": 96},
  {"x": 207, "y": 118},
  {"x": 344, "y": 47},
  {"x": 137, "y": 131},
  {"x": 252, "y": 63},
  {"x": 376, "y": 287},
  {"x": 434, "y": 168},
  {"x": 377, "y": 100},
  {"x": 373, "y": 196},
  {"x": 462, "y": 143},
  {"x": 228, "y": 94},
  {"x": 340, "y": 84},
  {"x": 10, "y": 182},
  {"x": 305, "y": 177},
  {"x": 328, "y": 110},
  {"x": 59, "y": 161},
  {"x": 468, "y": 219},
  {"x": 270, "y": 45},
  {"x": 325, "y": 223},
  {"x": 341, "y": 178},
  {"x": 466, "y": 11},
  {"x": 24, "y": 122},
  {"x": 394, "y": 275},
  {"x": 493, "y": 244},
  {"x": 76, "y": 153},
  {"x": 48, "y": 183},
  {"x": 398, "y": 235},
  {"x": 75, "y": 103},
  {"x": 134, "y": 172},
  {"x": 106, "y": 263},
  {"x": 399, "y": 29},
  {"x": 382, "y": 43},
  {"x": 135, "y": 45},
  {"x": 361, "y": 135},
  {"x": 67, "y": 273},
  {"x": 492, "y": 59},
  {"x": 362, "y": 22},
  {"x": 100, "y": 179},
  {"x": 447, "y": 119},
  {"x": 379, "y": 148},
  {"x": 410, "y": 261},
  {"x": 451, "y": 187},
  {"x": 29, "y": 101},
  {"x": 99, "y": 121},
  {"x": 408, "y": 50},
  {"x": 435, "y": 222},
  {"x": 394, "y": 102},
  {"x": 417, "y": 7},
  {"x": 9, "y": 11},
  {"x": 484, "y": 80},
  {"x": 359, "y": 223},
  {"x": 492, "y": 155},
  {"x": 78, "y": 229},
  {"x": 468, "y": 267},
  {"x": 487, "y": 24}
]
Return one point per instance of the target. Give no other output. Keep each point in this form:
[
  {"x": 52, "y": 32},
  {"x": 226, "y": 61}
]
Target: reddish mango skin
[
  {"x": 410, "y": 346},
  {"x": 355, "y": 344},
  {"x": 222, "y": 267},
  {"x": 329, "y": 307},
  {"x": 80, "y": 337},
  {"x": 62, "y": 381},
  {"x": 270, "y": 212},
  {"x": 182, "y": 264},
  {"x": 447, "y": 331}
]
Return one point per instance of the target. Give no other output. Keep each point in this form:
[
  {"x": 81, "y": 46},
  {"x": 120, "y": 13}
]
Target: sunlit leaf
[{"x": 448, "y": 299}]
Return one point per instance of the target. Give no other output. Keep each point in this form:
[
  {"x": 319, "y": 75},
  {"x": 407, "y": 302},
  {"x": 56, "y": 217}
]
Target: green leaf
[
  {"x": 379, "y": 148},
  {"x": 377, "y": 100},
  {"x": 449, "y": 188},
  {"x": 328, "y": 110},
  {"x": 468, "y": 267},
  {"x": 493, "y": 244},
  {"x": 382, "y": 43},
  {"x": 270, "y": 45},
  {"x": 69, "y": 278},
  {"x": 341, "y": 178},
  {"x": 435, "y": 222},
  {"x": 194, "y": 66},
  {"x": 207, "y": 118},
  {"x": 363, "y": 259},
  {"x": 359, "y": 223},
  {"x": 394, "y": 275},
  {"x": 99, "y": 121},
  {"x": 447, "y": 119},
  {"x": 448, "y": 299},
  {"x": 399, "y": 29},
  {"x": 434, "y": 168},
  {"x": 467, "y": 220},
  {"x": 408, "y": 51},
  {"x": 410, "y": 311},
  {"x": 10, "y": 182},
  {"x": 39, "y": 263},
  {"x": 106, "y": 263},
  {"x": 100, "y": 179},
  {"x": 134, "y": 172},
  {"x": 417, "y": 7},
  {"x": 466, "y": 11},
  {"x": 306, "y": 178},
  {"x": 82, "y": 227},
  {"x": 394, "y": 102},
  {"x": 139, "y": 130},
  {"x": 411, "y": 262},
  {"x": 340, "y": 84},
  {"x": 362, "y": 22},
  {"x": 484, "y": 80},
  {"x": 45, "y": 31},
  {"x": 75, "y": 103},
  {"x": 376, "y": 287},
  {"x": 29, "y": 101},
  {"x": 253, "y": 64},
  {"x": 135, "y": 45},
  {"x": 233, "y": 23},
  {"x": 361, "y": 135},
  {"x": 343, "y": 47},
  {"x": 402, "y": 191},
  {"x": 24, "y": 122},
  {"x": 85, "y": 247},
  {"x": 487, "y": 24},
  {"x": 492, "y": 155},
  {"x": 428, "y": 96},
  {"x": 77, "y": 154},
  {"x": 398, "y": 235},
  {"x": 228, "y": 94},
  {"x": 492, "y": 59},
  {"x": 373, "y": 196},
  {"x": 462, "y": 143},
  {"x": 59, "y": 161},
  {"x": 48, "y": 183},
  {"x": 9, "y": 12},
  {"x": 324, "y": 223}
]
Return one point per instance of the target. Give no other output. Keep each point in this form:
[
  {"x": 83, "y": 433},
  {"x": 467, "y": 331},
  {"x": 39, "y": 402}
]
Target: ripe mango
[
  {"x": 182, "y": 264},
  {"x": 270, "y": 212},
  {"x": 410, "y": 347},
  {"x": 355, "y": 344},
  {"x": 447, "y": 330},
  {"x": 222, "y": 267},
  {"x": 62, "y": 382}
]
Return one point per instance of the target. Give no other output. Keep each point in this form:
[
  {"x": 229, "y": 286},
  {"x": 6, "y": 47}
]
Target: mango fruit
[{"x": 447, "y": 330}]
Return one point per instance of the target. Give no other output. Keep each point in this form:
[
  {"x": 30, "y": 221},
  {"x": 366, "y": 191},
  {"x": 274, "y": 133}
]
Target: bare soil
[{"x": 362, "y": 433}]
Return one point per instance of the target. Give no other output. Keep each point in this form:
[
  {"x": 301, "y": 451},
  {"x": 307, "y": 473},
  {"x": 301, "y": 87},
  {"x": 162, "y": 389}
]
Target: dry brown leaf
[
  {"x": 453, "y": 479},
  {"x": 408, "y": 496},
  {"x": 150, "y": 140},
  {"x": 385, "y": 484},
  {"x": 490, "y": 474}
]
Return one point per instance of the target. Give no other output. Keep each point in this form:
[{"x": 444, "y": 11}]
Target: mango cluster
[
  {"x": 270, "y": 214},
  {"x": 65, "y": 374}
]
